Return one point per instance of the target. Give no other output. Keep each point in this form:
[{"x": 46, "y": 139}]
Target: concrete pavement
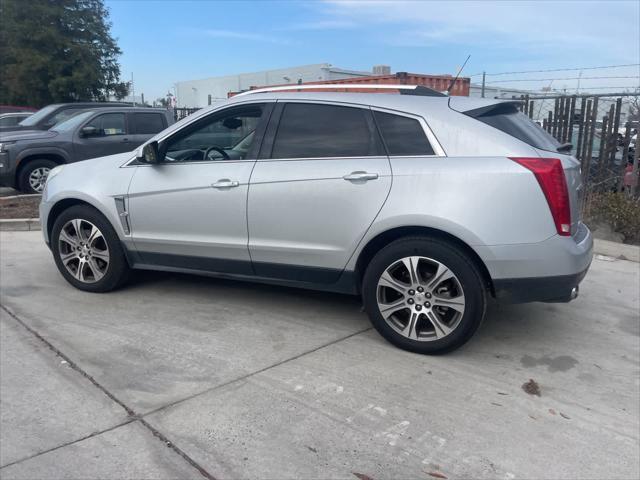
[{"x": 186, "y": 377}]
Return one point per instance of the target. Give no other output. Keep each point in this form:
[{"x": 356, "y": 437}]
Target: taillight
[{"x": 550, "y": 176}]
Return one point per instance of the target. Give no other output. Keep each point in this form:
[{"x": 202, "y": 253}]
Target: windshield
[
  {"x": 73, "y": 122},
  {"x": 39, "y": 115}
]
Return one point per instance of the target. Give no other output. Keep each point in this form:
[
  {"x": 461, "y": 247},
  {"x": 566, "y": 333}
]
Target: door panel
[
  {"x": 190, "y": 211},
  {"x": 112, "y": 137},
  {"x": 308, "y": 212},
  {"x": 304, "y": 213},
  {"x": 179, "y": 219}
]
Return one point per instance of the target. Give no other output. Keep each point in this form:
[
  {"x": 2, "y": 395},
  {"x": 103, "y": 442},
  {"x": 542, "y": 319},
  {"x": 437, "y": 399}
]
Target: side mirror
[
  {"x": 89, "y": 132},
  {"x": 150, "y": 153}
]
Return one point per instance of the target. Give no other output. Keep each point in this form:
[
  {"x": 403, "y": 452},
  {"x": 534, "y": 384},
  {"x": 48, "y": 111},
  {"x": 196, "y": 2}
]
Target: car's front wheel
[
  {"x": 33, "y": 175},
  {"x": 424, "y": 295},
  {"x": 87, "y": 250}
]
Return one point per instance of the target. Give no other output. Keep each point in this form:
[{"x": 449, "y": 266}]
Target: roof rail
[{"x": 403, "y": 89}]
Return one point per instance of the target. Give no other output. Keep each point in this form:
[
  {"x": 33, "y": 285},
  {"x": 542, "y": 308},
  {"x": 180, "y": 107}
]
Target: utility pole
[
  {"x": 133, "y": 92},
  {"x": 634, "y": 171},
  {"x": 484, "y": 74}
]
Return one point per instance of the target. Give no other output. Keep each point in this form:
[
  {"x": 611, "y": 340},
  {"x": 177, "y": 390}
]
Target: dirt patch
[
  {"x": 20, "y": 207},
  {"x": 531, "y": 387}
]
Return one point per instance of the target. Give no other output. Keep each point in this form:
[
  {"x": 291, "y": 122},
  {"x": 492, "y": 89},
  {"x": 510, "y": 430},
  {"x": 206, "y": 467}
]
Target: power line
[
  {"x": 564, "y": 78},
  {"x": 559, "y": 70},
  {"x": 634, "y": 87}
]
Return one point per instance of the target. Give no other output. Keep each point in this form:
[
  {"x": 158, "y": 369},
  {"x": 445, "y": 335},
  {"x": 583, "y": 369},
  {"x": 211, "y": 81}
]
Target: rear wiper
[{"x": 565, "y": 148}]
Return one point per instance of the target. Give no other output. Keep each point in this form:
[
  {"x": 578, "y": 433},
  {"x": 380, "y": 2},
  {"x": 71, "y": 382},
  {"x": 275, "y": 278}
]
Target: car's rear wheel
[
  {"x": 33, "y": 175},
  {"x": 424, "y": 295},
  {"x": 87, "y": 250}
]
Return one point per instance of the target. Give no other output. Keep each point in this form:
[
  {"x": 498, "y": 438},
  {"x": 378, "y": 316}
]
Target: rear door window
[
  {"x": 508, "y": 119},
  {"x": 403, "y": 135},
  {"x": 147, "y": 123},
  {"x": 308, "y": 130}
]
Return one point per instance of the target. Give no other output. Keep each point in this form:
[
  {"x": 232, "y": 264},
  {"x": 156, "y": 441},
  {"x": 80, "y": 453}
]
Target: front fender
[{"x": 34, "y": 151}]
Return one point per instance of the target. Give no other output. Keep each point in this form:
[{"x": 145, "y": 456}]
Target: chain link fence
[{"x": 602, "y": 130}]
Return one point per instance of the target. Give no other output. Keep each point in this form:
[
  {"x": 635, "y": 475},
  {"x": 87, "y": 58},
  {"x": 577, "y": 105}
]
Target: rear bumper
[
  {"x": 541, "y": 272},
  {"x": 548, "y": 289}
]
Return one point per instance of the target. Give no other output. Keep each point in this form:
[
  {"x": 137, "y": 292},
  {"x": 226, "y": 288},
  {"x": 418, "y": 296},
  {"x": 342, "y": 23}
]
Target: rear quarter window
[
  {"x": 147, "y": 123},
  {"x": 403, "y": 135},
  {"x": 508, "y": 119}
]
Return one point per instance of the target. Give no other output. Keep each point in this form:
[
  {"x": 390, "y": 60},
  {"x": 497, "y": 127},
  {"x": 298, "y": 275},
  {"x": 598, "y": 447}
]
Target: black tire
[
  {"x": 117, "y": 270},
  {"x": 462, "y": 266},
  {"x": 25, "y": 172}
]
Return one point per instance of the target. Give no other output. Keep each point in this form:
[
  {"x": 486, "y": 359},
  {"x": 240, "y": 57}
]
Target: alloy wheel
[
  {"x": 83, "y": 250},
  {"x": 38, "y": 178},
  {"x": 420, "y": 298}
]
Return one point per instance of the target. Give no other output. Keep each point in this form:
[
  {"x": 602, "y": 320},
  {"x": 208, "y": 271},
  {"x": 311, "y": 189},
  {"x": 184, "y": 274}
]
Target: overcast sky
[{"x": 167, "y": 41}]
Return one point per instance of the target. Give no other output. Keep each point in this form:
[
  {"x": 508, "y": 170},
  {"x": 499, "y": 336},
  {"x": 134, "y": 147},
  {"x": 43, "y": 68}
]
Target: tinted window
[
  {"x": 226, "y": 135},
  {"x": 39, "y": 115},
  {"x": 63, "y": 115},
  {"x": 403, "y": 135},
  {"x": 507, "y": 118},
  {"x": 148, "y": 123},
  {"x": 109, "y": 124},
  {"x": 308, "y": 130},
  {"x": 9, "y": 121}
]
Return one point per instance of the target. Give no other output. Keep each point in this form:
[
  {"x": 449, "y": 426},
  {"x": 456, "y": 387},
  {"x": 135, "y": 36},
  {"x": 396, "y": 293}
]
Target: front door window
[{"x": 228, "y": 136}]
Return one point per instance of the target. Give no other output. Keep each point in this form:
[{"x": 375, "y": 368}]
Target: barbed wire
[
  {"x": 558, "y": 70},
  {"x": 561, "y": 78}
]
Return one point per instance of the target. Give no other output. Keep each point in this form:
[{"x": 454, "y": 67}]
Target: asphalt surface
[{"x": 179, "y": 376}]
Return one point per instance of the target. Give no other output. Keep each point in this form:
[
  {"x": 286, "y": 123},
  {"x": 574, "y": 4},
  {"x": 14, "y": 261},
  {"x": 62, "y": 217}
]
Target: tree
[
  {"x": 162, "y": 101},
  {"x": 57, "y": 51}
]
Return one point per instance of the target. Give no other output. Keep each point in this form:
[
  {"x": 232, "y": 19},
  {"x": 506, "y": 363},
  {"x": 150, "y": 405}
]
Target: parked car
[
  {"x": 13, "y": 119},
  {"x": 15, "y": 109},
  {"x": 27, "y": 157},
  {"x": 47, "y": 117},
  {"x": 424, "y": 205}
]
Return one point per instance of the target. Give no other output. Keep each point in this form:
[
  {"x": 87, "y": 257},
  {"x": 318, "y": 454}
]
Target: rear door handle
[
  {"x": 225, "y": 183},
  {"x": 360, "y": 176}
]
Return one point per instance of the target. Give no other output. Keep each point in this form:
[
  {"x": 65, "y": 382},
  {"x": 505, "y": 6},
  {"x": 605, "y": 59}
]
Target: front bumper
[{"x": 7, "y": 177}]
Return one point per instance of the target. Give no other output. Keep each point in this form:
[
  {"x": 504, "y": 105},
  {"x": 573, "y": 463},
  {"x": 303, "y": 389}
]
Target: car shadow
[{"x": 503, "y": 323}]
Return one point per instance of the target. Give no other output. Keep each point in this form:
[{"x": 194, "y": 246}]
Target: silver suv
[{"x": 424, "y": 205}]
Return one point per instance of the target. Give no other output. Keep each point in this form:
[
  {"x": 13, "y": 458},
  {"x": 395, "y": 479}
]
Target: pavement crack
[
  {"x": 133, "y": 416},
  {"x": 66, "y": 444},
  {"x": 256, "y": 372}
]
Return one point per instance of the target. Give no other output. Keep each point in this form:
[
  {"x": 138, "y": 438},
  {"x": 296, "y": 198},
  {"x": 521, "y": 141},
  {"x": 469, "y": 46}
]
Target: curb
[
  {"x": 19, "y": 224},
  {"x": 26, "y": 195},
  {"x": 619, "y": 251}
]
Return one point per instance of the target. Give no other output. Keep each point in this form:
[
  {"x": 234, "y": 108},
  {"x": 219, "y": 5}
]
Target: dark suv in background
[
  {"x": 26, "y": 157},
  {"x": 47, "y": 117}
]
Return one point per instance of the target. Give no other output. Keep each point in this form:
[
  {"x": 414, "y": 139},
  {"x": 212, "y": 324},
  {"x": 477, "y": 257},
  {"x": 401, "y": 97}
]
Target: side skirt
[{"x": 311, "y": 278}]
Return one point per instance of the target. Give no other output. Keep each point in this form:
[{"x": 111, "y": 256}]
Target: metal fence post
[{"x": 625, "y": 155}]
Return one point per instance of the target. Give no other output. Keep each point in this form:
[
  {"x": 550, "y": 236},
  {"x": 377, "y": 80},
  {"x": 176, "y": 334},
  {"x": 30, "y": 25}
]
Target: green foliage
[
  {"x": 57, "y": 51},
  {"x": 620, "y": 211}
]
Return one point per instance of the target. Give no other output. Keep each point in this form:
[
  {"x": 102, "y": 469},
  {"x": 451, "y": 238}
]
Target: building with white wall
[{"x": 195, "y": 93}]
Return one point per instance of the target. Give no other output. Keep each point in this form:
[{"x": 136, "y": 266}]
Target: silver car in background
[{"x": 423, "y": 204}]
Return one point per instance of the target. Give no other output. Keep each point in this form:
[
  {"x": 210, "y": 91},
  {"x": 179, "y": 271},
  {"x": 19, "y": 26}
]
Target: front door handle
[
  {"x": 360, "y": 176},
  {"x": 225, "y": 183}
]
